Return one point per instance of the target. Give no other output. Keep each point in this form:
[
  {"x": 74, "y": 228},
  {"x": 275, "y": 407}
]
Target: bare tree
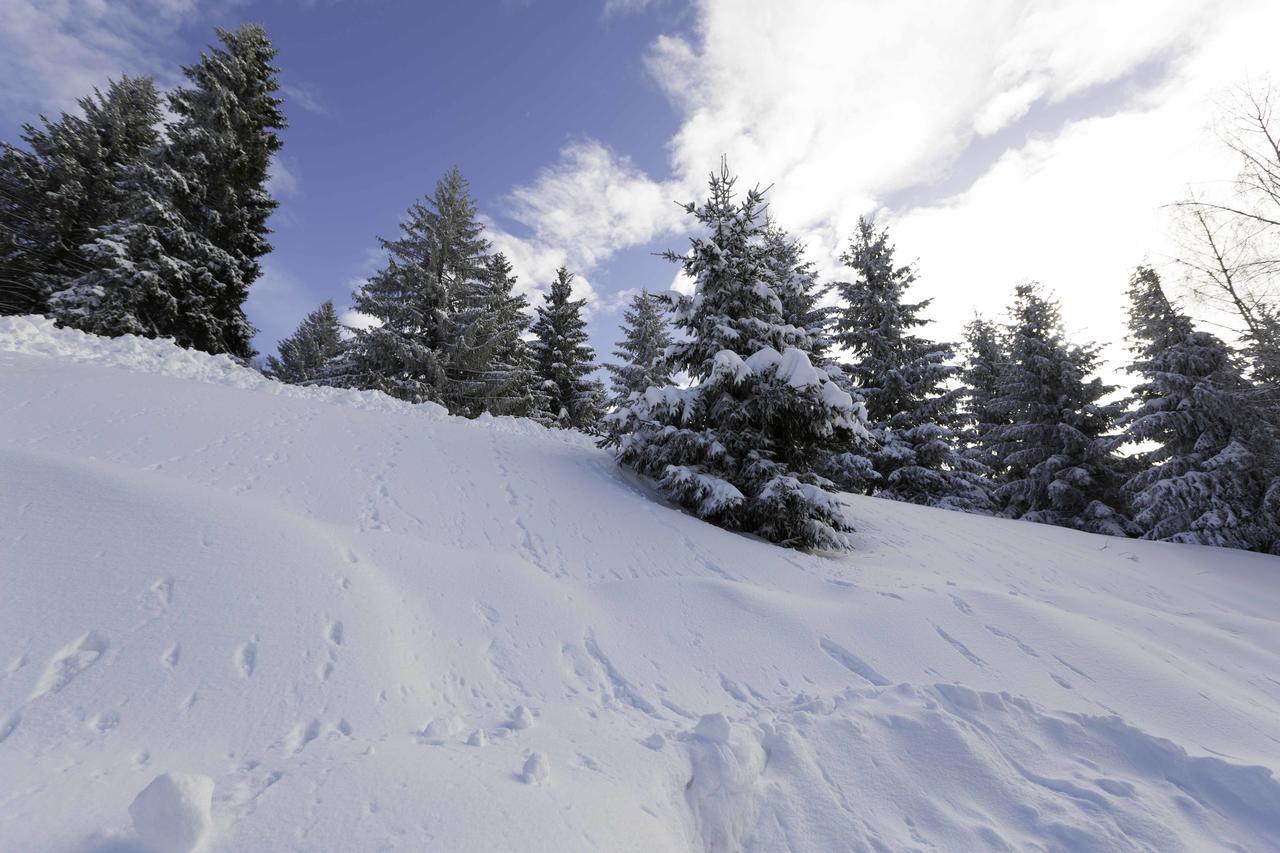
[{"x": 1230, "y": 244}]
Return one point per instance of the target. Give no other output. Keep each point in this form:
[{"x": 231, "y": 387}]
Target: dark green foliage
[
  {"x": 1199, "y": 477},
  {"x": 738, "y": 447},
  {"x": 311, "y": 354},
  {"x": 905, "y": 382},
  {"x": 1053, "y": 444},
  {"x": 563, "y": 361},
  {"x": 645, "y": 338}
]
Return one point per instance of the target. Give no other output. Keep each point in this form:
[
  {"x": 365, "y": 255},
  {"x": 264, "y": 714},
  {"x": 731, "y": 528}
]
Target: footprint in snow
[
  {"x": 334, "y": 633},
  {"x": 69, "y": 662},
  {"x": 8, "y": 725},
  {"x": 160, "y": 595},
  {"x": 246, "y": 657}
]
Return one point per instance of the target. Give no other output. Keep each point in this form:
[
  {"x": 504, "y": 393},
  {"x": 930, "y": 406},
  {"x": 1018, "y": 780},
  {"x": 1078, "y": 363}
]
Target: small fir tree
[
  {"x": 642, "y": 351},
  {"x": 1054, "y": 444},
  {"x": 905, "y": 381},
  {"x": 985, "y": 360},
  {"x": 311, "y": 353},
  {"x": 563, "y": 358},
  {"x": 514, "y": 380}
]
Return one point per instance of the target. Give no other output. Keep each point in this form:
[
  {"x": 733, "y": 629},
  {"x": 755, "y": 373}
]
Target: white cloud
[
  {"x": 579, "y": 212},
  {"x": 55, "y": 51},
  {"x": 282, "y": 182},
  {"x": 626, "y": 7},
  {"x": 304, "y": 98},
  {"x": 1015, "y": 139},
  {"x": 1079, "y": 209},
  {"x": 593, "y": 202}
]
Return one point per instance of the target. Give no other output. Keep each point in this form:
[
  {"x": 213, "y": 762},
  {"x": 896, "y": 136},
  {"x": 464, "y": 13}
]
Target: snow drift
[{"x": 374, "y": 626}]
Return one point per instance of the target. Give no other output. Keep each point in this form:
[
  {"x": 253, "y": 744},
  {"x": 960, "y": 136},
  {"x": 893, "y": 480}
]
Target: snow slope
[{"x": 374, "y": 626}]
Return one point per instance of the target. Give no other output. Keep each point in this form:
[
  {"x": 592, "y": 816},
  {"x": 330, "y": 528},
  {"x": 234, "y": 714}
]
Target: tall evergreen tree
[
  {"x": 514, "y": 384},
  {"x": 400, "y": 353},
  {"x": 563, "y": 358},
  {"x": 737, "y": 447},
  {"x": 904, "y": 379},
  {"x": 141, "y": 268},
  {"x": 221, "y": 143},
  {"x": 439, "y": 328},
  {"x": 312, "y": 351},
  {"x": 981, "y": 382},
  {"x": 642, "y": 351},
  {"x": 1055, "y": 447},
  {"x": 58, "y": 196},
  {"x": 1197, "y": 478},
  {"x": 20, "y": 232},
  {"x": 458, "y": 255}
]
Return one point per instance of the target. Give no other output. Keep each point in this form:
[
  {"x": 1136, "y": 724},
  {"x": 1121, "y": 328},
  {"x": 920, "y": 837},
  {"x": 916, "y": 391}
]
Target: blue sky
[{"x": 1001, "y": 140}]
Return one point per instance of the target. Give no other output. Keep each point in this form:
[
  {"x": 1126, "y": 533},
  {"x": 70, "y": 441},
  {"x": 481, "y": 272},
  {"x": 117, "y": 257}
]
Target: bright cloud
[
  {"x": 1029, "y": 139},
  {"x": 580, "y": 211},
  {"x": 54, "y": 51}
]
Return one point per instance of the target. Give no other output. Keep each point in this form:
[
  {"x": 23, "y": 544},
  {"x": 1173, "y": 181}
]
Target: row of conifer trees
[
  {"x": 751, "y": 401},
  {"x": 757, "y": 397},
  {"x": 116, "y": 222}
]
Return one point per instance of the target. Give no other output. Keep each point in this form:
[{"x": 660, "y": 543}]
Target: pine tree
[
  {"x": 221, "y": 144},
  {"x": 563, "y": 359},
  {"x": 737, "y": 447},
  {"x": 1054, "y": 445},
  {"x": 903, "y": 380},
  {"x": 981, "y": 383},
  {"x": 435, "y": 336},
  {"x": 795, "y": 280},
  {"x": 642, "y": 351},
  {"x": 73, "y": 182},
  {"x": 310, "y": 354},
  {"x": 514, "y": 382},
  {"x": 1198, "y": 479},
  {"x": 400, "y": 354},
  {"x": 20, "y": 232},
  {"x": 458, "y": 256}
]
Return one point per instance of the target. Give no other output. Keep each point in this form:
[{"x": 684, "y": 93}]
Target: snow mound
[
  {"x": 172, "y": 814},
  {"x": 37, "y": 335},
  {"x": 359, "y": 623}
]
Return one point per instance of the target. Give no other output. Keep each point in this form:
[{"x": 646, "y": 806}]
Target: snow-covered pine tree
[
  {"x": 436, "y": 333},
  {"x": 458, "y": 256},
  {"x": 564, "y": 360},
  {"x": 981, "y": 379},
  {"x": 796, "y": 282},
  {"x": 20, "y": 232},
  {"x": 221, "y": 143},
  {"x": 400, "y": 352},
  {"x": 312, "y": 351},
  {"x": 904, "y": 381},
  {"x": 642, "y": 350},
  {"x": 1198, "y": 480},
  {"x": 57, "y": 196},
  {"x": 1055, "y": 447},
  {"x": 514, "y": 387},
  {"x": 738, "y": 446}
]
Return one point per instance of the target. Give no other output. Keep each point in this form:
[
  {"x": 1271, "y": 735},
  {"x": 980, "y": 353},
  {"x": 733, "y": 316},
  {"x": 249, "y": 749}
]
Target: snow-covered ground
[{"x": 373, "y": 626}]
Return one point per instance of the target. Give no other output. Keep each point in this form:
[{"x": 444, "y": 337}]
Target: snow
[
  {"x": 172, "y": 814},
  {"x": 281, "y": 591},
  {"x": 537, "y": 770}
]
